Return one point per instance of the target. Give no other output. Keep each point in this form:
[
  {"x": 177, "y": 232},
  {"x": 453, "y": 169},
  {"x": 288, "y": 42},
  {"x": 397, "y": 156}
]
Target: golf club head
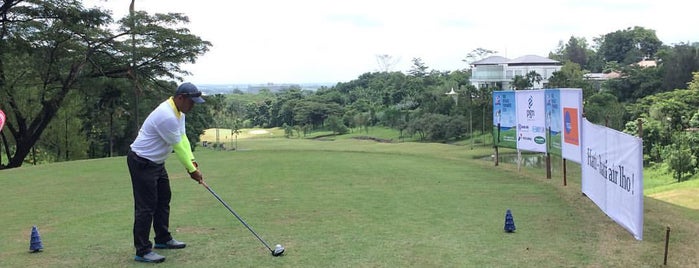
[{"x": 278, "y": 251}]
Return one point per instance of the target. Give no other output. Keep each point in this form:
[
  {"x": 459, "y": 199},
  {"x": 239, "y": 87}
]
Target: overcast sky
[{"x": 307, "y": 41}]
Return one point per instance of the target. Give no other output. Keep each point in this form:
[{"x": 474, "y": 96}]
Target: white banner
[
  {"x": 531, "y": 120},
  {"x": 563, "y": 116},
  {"x": 612, "y": 174}
]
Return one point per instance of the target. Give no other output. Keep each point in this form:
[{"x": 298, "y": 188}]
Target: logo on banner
[
  {"x": 530, "y": 111},
  {"x": 2, "y": 119},
  {"x": 539, "y": 140},
  {"x": 570, "y": 120}
]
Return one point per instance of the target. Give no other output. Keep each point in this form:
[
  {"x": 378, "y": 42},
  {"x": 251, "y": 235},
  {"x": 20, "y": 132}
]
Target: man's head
[{"x": 186, "y": 96}]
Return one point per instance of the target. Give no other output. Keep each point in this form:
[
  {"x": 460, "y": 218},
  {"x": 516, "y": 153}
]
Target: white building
[{"x": 499, "y": 72}]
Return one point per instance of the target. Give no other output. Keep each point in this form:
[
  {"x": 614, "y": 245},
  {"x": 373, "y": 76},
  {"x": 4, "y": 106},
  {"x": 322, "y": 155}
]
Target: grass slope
[{"x": 344, "y": 202}]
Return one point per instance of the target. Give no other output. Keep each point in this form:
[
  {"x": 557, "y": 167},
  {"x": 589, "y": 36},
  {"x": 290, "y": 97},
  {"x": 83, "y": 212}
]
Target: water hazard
[{"x": 528, "y": 160}]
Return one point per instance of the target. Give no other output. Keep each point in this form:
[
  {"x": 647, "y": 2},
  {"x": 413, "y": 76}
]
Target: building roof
[
  {"x": 529, "y": 59},
  {"x": 492, "y": 60},
  {"x": 647, "y": 63},
  {"x": 602, "y": 76}
]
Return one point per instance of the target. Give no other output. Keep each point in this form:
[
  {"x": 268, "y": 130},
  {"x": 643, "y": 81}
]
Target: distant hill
[{"x": 212, "y": 89}]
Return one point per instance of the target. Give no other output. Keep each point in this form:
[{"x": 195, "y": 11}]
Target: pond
[{"x": 529, "y": 160}]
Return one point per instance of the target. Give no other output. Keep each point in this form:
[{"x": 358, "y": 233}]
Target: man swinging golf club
[{"x": 162, "y": 132}]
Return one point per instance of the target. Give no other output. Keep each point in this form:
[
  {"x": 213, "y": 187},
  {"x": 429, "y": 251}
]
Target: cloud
[{"x": 336, "y": 41}]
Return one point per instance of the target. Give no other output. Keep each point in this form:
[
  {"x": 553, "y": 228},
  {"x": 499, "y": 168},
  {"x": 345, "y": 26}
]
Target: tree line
[
  {"x": 661, "y": 95},
  {"x": 76, "y": 84}
]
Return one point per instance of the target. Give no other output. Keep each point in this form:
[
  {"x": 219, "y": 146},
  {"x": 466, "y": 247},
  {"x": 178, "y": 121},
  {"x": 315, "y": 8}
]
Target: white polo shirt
[{"x": 163, "y": 127}]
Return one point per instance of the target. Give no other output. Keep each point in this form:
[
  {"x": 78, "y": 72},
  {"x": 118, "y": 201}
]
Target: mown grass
[{"x": 340, "y": 202}]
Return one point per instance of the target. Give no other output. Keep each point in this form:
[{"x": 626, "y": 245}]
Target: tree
[
  {"x": 629, "y": 46},
  {"x": 678, "y": 63},
  {"x": 604, "y": 109},
  {"x": 519, "y": 83},
  {"x": 221, "y": 119},
  {"x": 525, "y": 82},
  {"x": 108, "y": 107},
  {"x": 694, "y": 84},
  {"x": 288, "y": 130},
  {"x": 663, "y": 115},
  {"x": 478, "y": 54},
  {"x": 635, "y": 82},
  {"x": 44, "y": 49},
  {"x": 437, "y": 127},
  {"x": 386, "y": 62},
  {"x": 575, "y": 51},
  {"x": 482, "y": 103},
  {"x": 198, "y": 119},
  {"x": 571, "y": 76},
  {"x": 282, "y": 110},
  {"x": 314, "y": 113},
  {"x": 335, "y": 124},
  {"x": 533, "y": 77},
  {"x": 679, "y": 158},
  {"x": 419, "y": 69},
  {"x": 50, "y": 48},
  {"x": 258, "y": 112},
  {"x": 64, "y": 139}
]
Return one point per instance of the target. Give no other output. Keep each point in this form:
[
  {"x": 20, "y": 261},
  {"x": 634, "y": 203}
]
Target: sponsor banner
[
  {"x": 612, "y": 174},
  {"x": 531, "y": 120},
  {"x": 555, "y": 128},
  {"x": 571, "y": 116},
  {"x": 563, "y": 115},
  {"x": 504, "y": 119},
  {"x": 553, "y": 121}
]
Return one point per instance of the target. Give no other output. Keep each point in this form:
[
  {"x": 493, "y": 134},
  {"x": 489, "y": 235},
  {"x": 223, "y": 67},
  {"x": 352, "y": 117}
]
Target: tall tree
[
  {"x": 679, "y": 158},
  {"x": 604, "y": 109},
  {"x": 635, "y": 82},
  {"x": 525, "y": 82},
  {"x": 418, "y": 69},
  {"x": 54, "y": 47},
  {"x": 386, "y": 62},
  {"x": 478, "y": 54},
  {"x": 678, "y": 64},
  {"x": 49, "y": 48},
  {"x": 576, "y": 51},
  {"x": 629, "y": 46},
  {"x": 108, "y": 109}
]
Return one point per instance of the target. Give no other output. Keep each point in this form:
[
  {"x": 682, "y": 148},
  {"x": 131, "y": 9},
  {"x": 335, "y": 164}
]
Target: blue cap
[{"x": 190, "y": 91}]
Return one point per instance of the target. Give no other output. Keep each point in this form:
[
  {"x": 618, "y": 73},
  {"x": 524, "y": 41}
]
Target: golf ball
[{"x": 278, "y": 246}]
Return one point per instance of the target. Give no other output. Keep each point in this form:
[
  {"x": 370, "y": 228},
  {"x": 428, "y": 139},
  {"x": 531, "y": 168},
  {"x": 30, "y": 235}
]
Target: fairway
[{"x": 337, "y": 203}]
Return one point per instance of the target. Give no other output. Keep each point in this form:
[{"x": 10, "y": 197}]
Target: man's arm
[{"x": 183, "y": 150}]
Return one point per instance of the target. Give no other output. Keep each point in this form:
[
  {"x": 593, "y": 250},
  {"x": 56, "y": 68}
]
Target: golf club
[{"x": 278, "y": 249}]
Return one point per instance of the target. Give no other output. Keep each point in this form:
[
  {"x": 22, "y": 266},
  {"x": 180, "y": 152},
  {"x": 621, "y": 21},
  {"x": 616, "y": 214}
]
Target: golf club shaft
[{"x": 236, "y": 215}]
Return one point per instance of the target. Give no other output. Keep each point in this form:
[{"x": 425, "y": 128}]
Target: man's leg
[
  {"x": 161, "y": 216},
  {"x": 144, "y": 182}
]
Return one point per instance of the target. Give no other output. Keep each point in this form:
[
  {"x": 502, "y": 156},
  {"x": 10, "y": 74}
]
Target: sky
[{"x": 325, "y": 41}]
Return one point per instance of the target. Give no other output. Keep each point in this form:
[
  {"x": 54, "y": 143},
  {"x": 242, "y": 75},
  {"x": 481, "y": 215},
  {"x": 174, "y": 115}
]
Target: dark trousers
[{"x": 151, "y": 194}]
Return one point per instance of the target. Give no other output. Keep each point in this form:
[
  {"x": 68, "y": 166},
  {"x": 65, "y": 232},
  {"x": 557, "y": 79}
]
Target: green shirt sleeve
[{"x": 183, "y": 150}]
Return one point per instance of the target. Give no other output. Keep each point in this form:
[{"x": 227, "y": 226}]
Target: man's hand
[{"x": 196, "y": 175}]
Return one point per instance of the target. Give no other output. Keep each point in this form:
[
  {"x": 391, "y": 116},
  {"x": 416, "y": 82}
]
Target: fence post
[{"x": 667, "y": 241}]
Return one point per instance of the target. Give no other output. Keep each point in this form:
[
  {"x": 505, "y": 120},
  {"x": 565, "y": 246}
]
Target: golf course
[{"x": 340, "y": 202}]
